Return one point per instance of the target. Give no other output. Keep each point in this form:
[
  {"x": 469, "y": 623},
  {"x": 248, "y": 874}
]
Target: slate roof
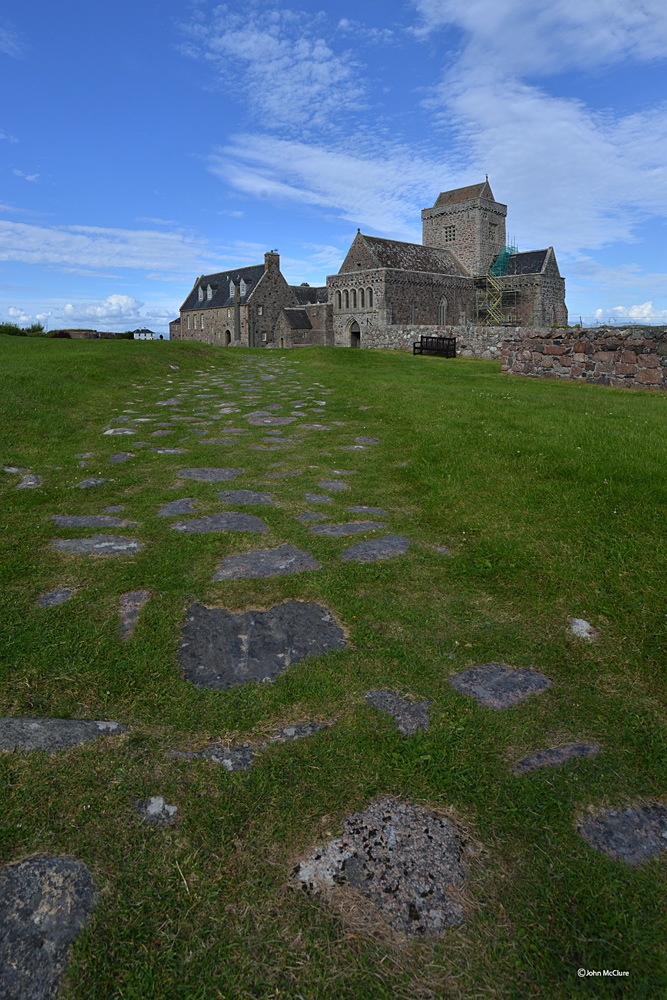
[
  {"x": 297, "y": 319},
  {"x": 530, "y": 262},
  {"x": 412, "y": 256},
  {"x": 309, "y": 295},
  {"x": 220, "y": 285},
  {"x": 465, "y": 194}
]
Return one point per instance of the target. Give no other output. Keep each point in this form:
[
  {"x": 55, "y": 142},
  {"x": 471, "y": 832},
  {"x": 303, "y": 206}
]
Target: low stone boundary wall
[
  {"x": 471, "y": 341},
  {"x": 633, "y": 358}
]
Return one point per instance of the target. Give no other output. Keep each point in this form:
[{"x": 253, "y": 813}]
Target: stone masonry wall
[
  {"x": 471, "y": 341},
  {"x": 634, "y": 358}
]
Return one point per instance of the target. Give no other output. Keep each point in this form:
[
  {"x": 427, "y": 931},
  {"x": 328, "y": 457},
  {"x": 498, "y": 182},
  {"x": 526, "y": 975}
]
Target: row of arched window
[{"x": 353, "y": 298}]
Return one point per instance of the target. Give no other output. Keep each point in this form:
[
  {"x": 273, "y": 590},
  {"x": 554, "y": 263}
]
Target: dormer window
[
  {"x": 242, "y": 287},
  {"x": 232, "y": 289},
  {"x": 209, "y": 293},
  {"x": 200, "y": 293}
]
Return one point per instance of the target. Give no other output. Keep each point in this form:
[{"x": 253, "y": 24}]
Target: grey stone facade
[{"x": 388, "y": 292}]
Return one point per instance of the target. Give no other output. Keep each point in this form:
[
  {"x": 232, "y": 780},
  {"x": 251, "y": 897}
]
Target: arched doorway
[
  {"x": 355, "y": 335},
  {"x": 228, "y": 338}
]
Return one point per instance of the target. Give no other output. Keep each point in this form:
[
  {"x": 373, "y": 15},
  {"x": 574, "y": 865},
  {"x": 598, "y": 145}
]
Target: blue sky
[{"x": 145, "y": 143}]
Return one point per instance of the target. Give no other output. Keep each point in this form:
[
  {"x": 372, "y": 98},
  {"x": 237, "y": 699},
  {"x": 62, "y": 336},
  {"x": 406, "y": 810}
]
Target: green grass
[{"x": 552, "y": 500}]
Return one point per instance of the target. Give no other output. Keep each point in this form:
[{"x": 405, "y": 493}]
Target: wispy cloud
[
  {"x": 7, "y": 137},
  {"x": 11, "y": 43},
  {"x": 278, "y": 62},
  {"x": 31, "y": 178},
  {"x": 117, "y": 312}
]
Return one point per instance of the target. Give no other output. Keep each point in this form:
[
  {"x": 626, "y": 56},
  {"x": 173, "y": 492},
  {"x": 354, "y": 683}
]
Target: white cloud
[
  {"x": 543, "y": 38},
  {"x": 10, "y": 41},
  {"x": 276, "y": 60},
  {"x": 116, "y": 311},
  {"x": 31, "y": 178},
  {"x": 20, "y": 316},
  {"x": 642, "y": 313},
  {"x": 7, "y": 137},
  {"x": 88, "y": 248}
]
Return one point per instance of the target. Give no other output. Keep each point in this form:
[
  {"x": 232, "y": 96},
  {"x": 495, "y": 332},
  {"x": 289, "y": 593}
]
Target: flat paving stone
[
  {"x": 115, "y": 508},
  {"x": 174, "y": 401},
  {"x": 91, "y": 521},
  {"x": 226, "y": 521},
  {"x": 351, "y": 528},
  {"x": 218, "y": 441},
  {"x": 168, "y": 451},
  {"x": 259, "y": 421},
  {"x": 376, "y": 549},
  {"x": 245, "y": 497},
  {"x": 555, "y": 756},
  {"x": 367, "y": 440},
  {"x": 52, "y": 735},
  {"x": 185, "y": 505},
  {"x": 205, "y": 475},
  {"x": 409, "y": 716},
  {"x": 221, "y": 650},
  {"x": 120, "y": 456},
  {"x": 157, "y": 811},
  {"x": 352, "y": 447},
  {"x": 130, "y": 605},
  {"x": 333, "y": 485},
  {"x": 634, "y": 835},
  {"x": 583, "y": 629},
  {"x": 45, "y": 903},
  {"x": 284, "y": 475},
  {"x": 53, "y": 597},
  {"x": 317, "y": 498},
  {"x": 241, "y": 757},
  {"x": 29, "y": 482},
  {"x": 16, "y": 469},
  {"x": 282, "y": 561},
  {"x": 115, "y": 431},
  {"x": 498, "y": 686},
  {"x": 310, "y": 515},
  {"x": 163, "y": 433},
  {"x": 406, "y": 860},
  {"x": 87, "y": 484},
  {"x": 98, "y": 545},
  {"x": 362, "y": 509}
]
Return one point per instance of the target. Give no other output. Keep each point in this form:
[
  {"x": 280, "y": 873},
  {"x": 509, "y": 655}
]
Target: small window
[
  {"x": 361, "y": 298},
  {"x": 370, "y": 298},
  {"x": 200, "y": 293},
  {"x": 347, "y": 299},
  {"x": 188, "y": 321},
  {"x": 354, "y": 298},
  {"x": 338, "y": 300},
  {"x": 449, "y": 234},
  {"x": 442, "y": 312},
  {"x": 201, "y": 321},
  {"x": 260, "y": 310}
]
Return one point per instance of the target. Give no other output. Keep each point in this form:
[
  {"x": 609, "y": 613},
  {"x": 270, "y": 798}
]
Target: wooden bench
[{"x": 444, "y": 346}]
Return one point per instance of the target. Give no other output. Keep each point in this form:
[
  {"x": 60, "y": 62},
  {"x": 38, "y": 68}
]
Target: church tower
[{"x": 469, "y": 222}]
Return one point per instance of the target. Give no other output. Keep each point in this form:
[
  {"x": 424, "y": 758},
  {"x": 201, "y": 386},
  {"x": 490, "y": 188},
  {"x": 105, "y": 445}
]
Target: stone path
[
  {"x": 52, "y": 735},
  {"x": 409, "y": 716},
  {"x": 229, "y": 521},
  {"x": 129, "y": 608},
  {"x": 98, "y": 545},
  {"x": 284, "y": 560},
  {"x": 497, "y": 686},
  {"x": 376, "y": 549}
]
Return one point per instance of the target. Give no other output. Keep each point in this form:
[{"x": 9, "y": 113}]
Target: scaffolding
[{"x": 496, "y": 303}]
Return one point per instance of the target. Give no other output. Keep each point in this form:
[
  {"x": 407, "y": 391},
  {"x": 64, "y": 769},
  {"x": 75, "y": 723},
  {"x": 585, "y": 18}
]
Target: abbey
[{"x": 462, "y": 274}]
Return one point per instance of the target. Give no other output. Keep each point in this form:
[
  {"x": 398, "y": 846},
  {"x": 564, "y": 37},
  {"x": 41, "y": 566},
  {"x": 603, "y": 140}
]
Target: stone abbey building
[{"x": 462, "y": 275}]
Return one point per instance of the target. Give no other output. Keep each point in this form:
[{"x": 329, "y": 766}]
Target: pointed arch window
[
  {"x": 442, "y": 312},
  {"x": 346, "y": 299},
  {"x": 370, "y": 298},
  {"x": 362, "y": 298},
  {"x": 354, "y": 298}
]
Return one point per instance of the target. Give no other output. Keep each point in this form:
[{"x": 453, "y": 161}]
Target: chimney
[{"x": 272, "y": 260}]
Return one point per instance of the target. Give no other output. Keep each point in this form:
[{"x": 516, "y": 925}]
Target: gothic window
[
  {"x": 338, "y": 300},
  {"x": 347, "y": 299},
  {"x": 201, "y": 321},
  {"x": 442, "y": 312},
  {"x": 370, "y": 298},
  {"x": 361, "y": 298},
  {"x": 354, "y": 298},
  {"x": 188, "y": 321}
]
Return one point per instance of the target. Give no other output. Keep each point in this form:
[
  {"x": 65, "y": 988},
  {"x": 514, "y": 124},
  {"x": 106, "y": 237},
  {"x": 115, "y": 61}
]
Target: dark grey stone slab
[
  {"x": 156, "y": 811},
  {"x": 115, "y": 431},
  {"x": 15, "y": 470},
  {"x": 113, "y": 509},
  {"x": 85, "y": 454},
  {"x": 226, "y": 521},
  {"x": 259, "y": 421},
  {"x": 634, "y": 835},
  {"x": 317, "y": 498},
  {"x": 164, "y": 433},
  {"x": 90, "y": 521},
  {"x": 210, "y": 475},
  {"x": 185, "y": 505},
  {"x": 29, "y": 482},
  {"x": 129, "y": 607},
  {"x": 168, "y": 451},
  {"x": 310, "y": 515},
  {"x": 238, "y": 758},
  {"x": 121, "y": 456},
  {"x": 376, "y": 549},
  {"x": 497, "y": 686},
  {"x": 98, "y": 545},
  {"x": 284, "y": 475},
  {"x": 174, "y": 401},
  {"x": 51, "y": 735},
  {"x": 57, "y": 596},
  {"x": 409, "y": 716},
  {"x": 351, "y": 528},
  {"x": 218, "y": 441},
  {"x": 361, "y": 509},
  {"x": 315, "y": 427},
  {"x": 367, "y": 440},
  {"x": 87, "y": 484},
  {"x": 406, "y": 860},
  {"x": 220, "y": 649},
  {"x": 45, "y": 903},
  {"x": 281, "y": 561},
  {"x": 245, "y": 497},
  {"x": 333, "y": 485},
  {"x": 554, "y": 756}
]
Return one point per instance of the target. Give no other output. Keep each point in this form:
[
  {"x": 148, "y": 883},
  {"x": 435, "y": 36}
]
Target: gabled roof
[
  {"x": 529, "y": 262},
  {"x": 220, "y": 283},
  {"x": 297, "y": 319},
  {"x": 309, "y": 295},
  {"x": 469, "y": 193},
  {"x": 412, "y": 256}
]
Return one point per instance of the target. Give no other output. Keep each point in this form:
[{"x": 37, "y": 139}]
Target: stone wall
[
  {"x": 474, "y": 230},
  {"x": 635, "y": 357},
  {"x": 471, "y": 341}
]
